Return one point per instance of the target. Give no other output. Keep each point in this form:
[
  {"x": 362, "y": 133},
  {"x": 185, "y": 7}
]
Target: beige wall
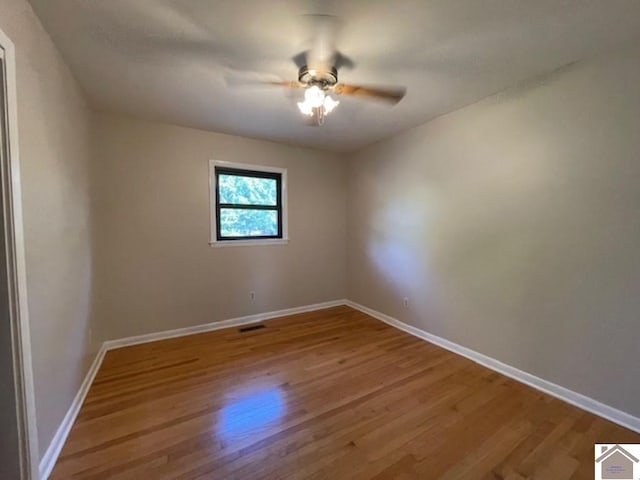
[
  {"x": 156, "y": 270},
  {"x": 513, "y": 226},
  {"x": 54, "y": 129}
]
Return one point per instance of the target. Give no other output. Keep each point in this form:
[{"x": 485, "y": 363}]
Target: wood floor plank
[{"x": 326, "y": 394}]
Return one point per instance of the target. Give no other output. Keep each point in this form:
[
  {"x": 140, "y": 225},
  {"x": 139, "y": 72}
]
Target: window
[{"x": 248, "y": 204}]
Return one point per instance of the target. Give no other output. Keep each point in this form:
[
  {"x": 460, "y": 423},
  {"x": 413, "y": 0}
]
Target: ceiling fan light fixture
[
  {"x": 315, "y": 98},
  {"x": 305, "y": 108},
  {"x": 329, "y": 104}
]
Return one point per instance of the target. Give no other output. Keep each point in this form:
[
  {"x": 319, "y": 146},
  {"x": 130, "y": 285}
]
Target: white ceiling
[{"x": 168, "y": 59}]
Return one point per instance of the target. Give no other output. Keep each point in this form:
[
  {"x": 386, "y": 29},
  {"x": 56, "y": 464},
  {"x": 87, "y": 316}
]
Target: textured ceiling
[{"x": 171, "y": 60}]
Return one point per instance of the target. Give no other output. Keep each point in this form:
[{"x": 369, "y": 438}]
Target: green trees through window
[
  {"x": 248, "y": 204},
  {"x": 247, "y": 190}
]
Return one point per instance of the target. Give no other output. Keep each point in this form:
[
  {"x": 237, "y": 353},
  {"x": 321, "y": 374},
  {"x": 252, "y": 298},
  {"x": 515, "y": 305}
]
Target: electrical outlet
[
  {"x": 252, "y": 295},
  {"x": 405, "y": 300}
]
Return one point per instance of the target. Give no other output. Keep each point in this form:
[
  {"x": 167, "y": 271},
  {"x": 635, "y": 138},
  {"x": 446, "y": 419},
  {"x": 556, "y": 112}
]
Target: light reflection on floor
[{"x": 251, "y": 413}]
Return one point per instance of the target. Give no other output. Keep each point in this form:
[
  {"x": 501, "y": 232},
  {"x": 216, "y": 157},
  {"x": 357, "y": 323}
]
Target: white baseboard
[
  {"x": 53, "y": 451},
  {"x": 577, "y": 399},
  {"x": 209, "y": 327},
  {"x": 50, "y": 457}
]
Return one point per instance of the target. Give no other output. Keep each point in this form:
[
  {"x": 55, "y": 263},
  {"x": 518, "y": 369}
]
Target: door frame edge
[{"x": 17, "y": 274}]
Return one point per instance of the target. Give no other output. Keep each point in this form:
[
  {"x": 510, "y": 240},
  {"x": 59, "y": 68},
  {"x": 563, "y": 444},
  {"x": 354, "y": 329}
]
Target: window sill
[{"x": 248, "y": 243}]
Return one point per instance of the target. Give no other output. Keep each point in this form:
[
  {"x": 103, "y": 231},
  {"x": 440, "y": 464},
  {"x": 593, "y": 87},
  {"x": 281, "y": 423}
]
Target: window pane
[
  {"x": 247, "y": 190},
  {"x": 235, "y": 222}
]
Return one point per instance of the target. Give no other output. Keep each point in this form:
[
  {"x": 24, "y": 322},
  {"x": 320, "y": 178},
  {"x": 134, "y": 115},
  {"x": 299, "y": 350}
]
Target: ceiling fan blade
[
  {"x": 287, "y": 84},
  {"x": 340, "y": 60},
  {"x": 235, "y": 78},
  {"x": 389, "y": 94},
  {"x": 300, "y": 59}
]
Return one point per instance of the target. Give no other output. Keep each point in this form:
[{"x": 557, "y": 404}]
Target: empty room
[{"x": 298, "y": 239}]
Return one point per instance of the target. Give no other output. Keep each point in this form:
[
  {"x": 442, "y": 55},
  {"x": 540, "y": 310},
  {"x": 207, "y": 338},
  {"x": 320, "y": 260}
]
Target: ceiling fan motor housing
[{"x": 321, "y": 78}]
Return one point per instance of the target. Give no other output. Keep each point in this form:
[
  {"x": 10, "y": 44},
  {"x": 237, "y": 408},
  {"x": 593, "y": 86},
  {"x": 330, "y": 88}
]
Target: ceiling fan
[{"x": 318, "y": 75}]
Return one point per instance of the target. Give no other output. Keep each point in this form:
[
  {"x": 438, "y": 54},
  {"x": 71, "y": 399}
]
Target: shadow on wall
[{"x": 401, "y": 243}]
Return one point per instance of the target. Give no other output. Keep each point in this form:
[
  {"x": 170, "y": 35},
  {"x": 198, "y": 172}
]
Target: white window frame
[{"x": 213, "y": 240}]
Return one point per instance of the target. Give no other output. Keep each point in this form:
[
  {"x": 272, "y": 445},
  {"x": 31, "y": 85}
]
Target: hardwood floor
[{"x": 331, "y": 394}]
